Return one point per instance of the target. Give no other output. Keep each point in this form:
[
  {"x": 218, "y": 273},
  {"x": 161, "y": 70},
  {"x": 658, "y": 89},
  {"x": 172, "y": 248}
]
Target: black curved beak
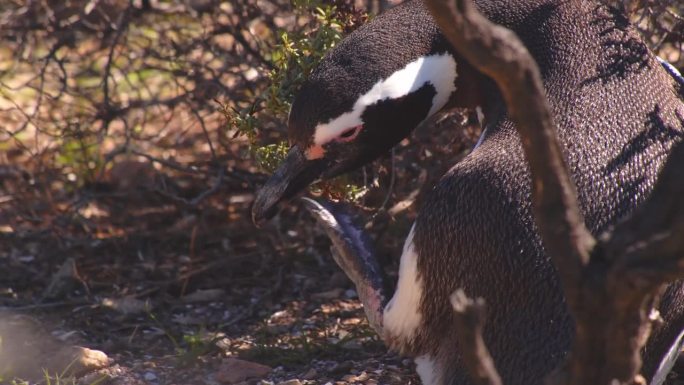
[{"x": 292, "y": 176}]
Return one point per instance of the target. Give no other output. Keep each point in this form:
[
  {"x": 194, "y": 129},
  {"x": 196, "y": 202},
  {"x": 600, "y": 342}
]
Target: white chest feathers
[
  {"x": 402, "y": 315},
  {"x": 427, "y": 370},
  {"x": 438, "y": 70}
]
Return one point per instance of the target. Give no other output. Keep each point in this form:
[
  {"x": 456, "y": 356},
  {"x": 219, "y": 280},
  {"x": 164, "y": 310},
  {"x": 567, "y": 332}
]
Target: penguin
[{"x": 617, "y": 115}]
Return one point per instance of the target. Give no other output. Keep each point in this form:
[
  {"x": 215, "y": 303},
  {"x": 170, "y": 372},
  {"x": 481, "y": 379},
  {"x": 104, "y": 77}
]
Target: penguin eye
[{"x": 349, "y": 134}]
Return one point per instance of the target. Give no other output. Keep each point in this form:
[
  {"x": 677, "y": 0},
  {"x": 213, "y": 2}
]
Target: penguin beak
[{"x": 294, "y": 175}]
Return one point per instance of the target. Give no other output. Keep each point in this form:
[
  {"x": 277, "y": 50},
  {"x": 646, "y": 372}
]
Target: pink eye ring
[{"x": 349, "y": 134}]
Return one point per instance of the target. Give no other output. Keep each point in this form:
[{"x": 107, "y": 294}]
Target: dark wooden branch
[
  {"x": 498, "y": 53},
  {"x": 470, "y": 318},
  {"x": 611, "y": 285}
]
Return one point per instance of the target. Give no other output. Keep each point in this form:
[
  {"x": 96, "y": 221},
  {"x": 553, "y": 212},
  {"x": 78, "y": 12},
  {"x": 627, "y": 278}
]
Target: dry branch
[{"x": 470, "y": 318}]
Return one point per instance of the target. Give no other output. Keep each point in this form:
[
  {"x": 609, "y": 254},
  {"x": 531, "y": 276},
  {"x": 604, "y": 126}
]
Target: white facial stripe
[
  {"x": 438, "y": 70},
  {"x": 402, "y": 315}
]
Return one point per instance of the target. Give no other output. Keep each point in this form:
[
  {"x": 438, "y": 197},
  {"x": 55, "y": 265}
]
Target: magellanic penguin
[{"x": 617, "y": 115}]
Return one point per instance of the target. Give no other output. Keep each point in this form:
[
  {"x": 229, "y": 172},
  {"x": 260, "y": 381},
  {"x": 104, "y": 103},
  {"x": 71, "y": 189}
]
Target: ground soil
[{"x": 172, "y": 291}]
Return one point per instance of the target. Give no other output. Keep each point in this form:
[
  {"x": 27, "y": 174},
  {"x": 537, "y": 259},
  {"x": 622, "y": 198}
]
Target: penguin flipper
[
  {"x": 353, "y": 252},
  {"x": 668, "y": 362},
  {"x": 672, "y": 70}
]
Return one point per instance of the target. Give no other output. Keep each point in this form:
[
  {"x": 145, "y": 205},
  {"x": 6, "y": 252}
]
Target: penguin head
[
  {"x": 366, "y": 95},
  {"x": 345, "y": 123}
]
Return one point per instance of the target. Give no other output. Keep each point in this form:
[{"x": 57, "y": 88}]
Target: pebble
[
  {"x": 207, "y": 295},
  {"x": 350, "y": 294},
  {"x": 310, "y": 374},
  {"x": 127, "y": 305},
  {"x": 233, "y": 370},
  {"x": 76, "y": 360},
  {"x": 352, "y": 345},
  {"x": 150, "y": 376},
  {"x": 356, "y": 378},
  {"x": 327, "y": 295},
  {"x": 291, "y": 382},
  {"x": 342, "y": 367}
]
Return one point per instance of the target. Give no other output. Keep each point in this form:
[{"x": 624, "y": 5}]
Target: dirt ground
[{"x": 174, "y": 293}]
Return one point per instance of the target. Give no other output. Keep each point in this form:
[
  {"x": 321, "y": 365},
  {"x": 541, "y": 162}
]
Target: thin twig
[{"x": 470, "y": 318}]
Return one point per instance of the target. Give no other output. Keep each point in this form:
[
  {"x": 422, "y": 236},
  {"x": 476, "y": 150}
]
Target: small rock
[
  {"x": 30, "y": 352},
  {"x": 291, "y": 382},
  {"x": 342, "y": 367},
  {"x": 352, "y": 345},
  {"x": 276, "y": 329},
  {"x": 208, "y": 295},
  {"x": 188, "y": 319},
  {"x": 310, "y": 374},
  {"x": 233, "y": 370},
  {"x": 330, "y": 294},
  {"x": 63, "y": 281},
  {"x": 77, "y": 360},
  {"x": 350, "y": 294},
  {"x": 150, "y": 376},
  {"x": 281, "y": 314},
  {"x": 127, "y": 305}
]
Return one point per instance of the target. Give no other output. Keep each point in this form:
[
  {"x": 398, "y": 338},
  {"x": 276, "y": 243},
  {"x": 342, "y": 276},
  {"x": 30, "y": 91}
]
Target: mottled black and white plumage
[{"x": 618, "y": 114}]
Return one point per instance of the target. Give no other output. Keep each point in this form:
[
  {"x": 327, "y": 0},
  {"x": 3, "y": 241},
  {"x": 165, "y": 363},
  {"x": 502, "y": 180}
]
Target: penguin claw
[{"x": 353, "y": 252}]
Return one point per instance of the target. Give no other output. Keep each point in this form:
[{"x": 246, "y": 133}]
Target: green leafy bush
[{"x": 293, "y": 57}]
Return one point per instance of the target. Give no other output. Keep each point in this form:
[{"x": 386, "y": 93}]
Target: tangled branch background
[{"x": 190, "y": 86}]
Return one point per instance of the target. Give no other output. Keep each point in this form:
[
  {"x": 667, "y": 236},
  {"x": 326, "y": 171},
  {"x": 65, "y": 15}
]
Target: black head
[{"x": 366, "y": 95}]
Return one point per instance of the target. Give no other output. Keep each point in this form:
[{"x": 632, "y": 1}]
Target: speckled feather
[{"x": 617, "y": 115}]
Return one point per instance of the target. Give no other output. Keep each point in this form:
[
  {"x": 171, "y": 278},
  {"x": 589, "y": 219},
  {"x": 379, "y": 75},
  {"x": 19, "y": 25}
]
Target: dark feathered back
[{"x": 617, "y": 114}]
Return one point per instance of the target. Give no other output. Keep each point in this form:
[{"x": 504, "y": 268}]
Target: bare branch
[
  {"x": 470, "y": 317},
  {"x": 498, "y": 53}
]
